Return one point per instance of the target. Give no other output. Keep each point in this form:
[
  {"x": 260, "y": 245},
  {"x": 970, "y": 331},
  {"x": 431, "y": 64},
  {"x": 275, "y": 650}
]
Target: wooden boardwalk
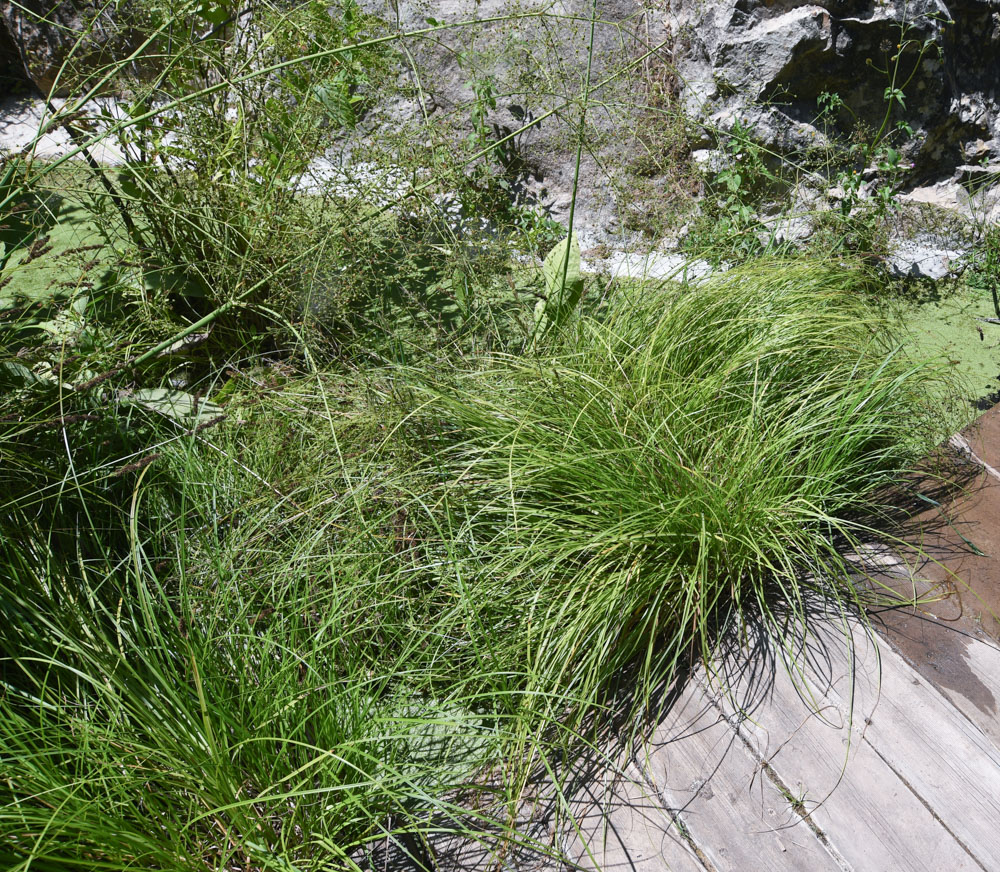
[{"x": 899, "y": 778}]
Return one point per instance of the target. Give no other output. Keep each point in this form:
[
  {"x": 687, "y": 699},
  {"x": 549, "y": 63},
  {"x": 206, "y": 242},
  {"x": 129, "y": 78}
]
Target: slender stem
[{"x": 580, "y": 134}]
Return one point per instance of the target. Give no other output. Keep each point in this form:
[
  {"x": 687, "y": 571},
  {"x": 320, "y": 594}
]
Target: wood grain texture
[
  {"x": 976, "y": 695},
  {"x": 620, "y": 826},
  {"x": 943, "y": 756},
  {"x": 734, "y": 812},
  {"x": 890, "y": 772},
  {"x": 871, "y": 818}
]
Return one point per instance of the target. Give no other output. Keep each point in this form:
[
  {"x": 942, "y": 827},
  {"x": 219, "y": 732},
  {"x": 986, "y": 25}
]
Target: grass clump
[
  {"x": 215, "y": 659},
  {"x": 271, "y": 633},
  {"x": 690, "y": 455}
]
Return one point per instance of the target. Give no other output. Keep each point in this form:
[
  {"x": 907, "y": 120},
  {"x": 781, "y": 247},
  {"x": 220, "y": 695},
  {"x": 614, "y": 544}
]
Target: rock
[
  {"x": 12, "y": 73},
  {"x": 973, "y": 194},
  {"x": 370, "y": 183},
  {"x": 24, "y": 117},
  {"x": 791, "y": 229},
  {"x": 757, "y": 59},
  {"x": 925, "y": 256},
  {"x": 534, "y": 68},
  {"x": 944, "y": 195},
  {"x": 777, "y": 57},
  {"x": 46, "y": 32},
  {"x": 761, "y": 64},
  {"x": 709, "y": 160},
  {"x": 656, "y": 265},
  {"x": 974, "y": 175}
]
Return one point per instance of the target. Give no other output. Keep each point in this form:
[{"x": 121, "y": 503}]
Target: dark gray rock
[
  {"x": 12, "y": 73},
  {"x": 58, "y": 42},
  {"x": 736, "y": 56}
]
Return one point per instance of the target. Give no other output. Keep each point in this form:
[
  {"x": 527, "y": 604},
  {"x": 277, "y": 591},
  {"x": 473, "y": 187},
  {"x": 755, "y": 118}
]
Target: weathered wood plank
[
  {"x": 944, "y": 758},
  {"x": 977, "y": 696},
  {"x": 963, "y": 668},
  {"x": 620, "y": 826},
  {"x": 938, "y": 638},
  {"x": 733, "y": 811},
  {"x": 868, "y": 814}
]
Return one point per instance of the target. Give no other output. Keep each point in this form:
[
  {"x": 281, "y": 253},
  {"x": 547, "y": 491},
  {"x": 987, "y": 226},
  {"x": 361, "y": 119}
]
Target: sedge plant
[
  {"x": 216, "y": 658},
  {"x": 689, "y": 457}
]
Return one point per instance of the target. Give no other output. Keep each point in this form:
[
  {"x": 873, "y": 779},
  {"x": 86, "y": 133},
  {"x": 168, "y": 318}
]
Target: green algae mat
[
  {"x": 52, "y": 257},
  {"x": 952, "y": 326}
]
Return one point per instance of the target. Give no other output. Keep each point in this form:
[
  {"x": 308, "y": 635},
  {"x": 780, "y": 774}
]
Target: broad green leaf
[
  {"x": 563, "y": 286},
  {"x": 214, "y": 14},
  {"x": 14, "y": 374},
  {"x": 176, "y": 404}
]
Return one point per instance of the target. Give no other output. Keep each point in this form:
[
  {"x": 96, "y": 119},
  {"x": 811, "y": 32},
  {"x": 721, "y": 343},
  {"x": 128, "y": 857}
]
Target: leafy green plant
[
  {"x": 483, "y": 102},
  {"x": 986, "y": 266},
  {"x": 731, "y": 223},
  {"x": 213, "y": 185},
  {"x": 537, "y": 230},
  {"x": 871, "y": 170},
  {"x": 744, "y": 172},
  {"x": 563, "y": 287}
]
